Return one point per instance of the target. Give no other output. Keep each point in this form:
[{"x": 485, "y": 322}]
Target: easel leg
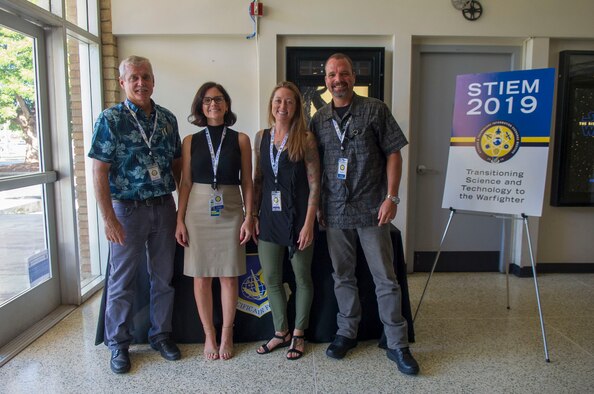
[
  {"x": 507, "y": 283},
  {"x": 542, "y": 327},
  {"x": 452, "y": 212},
  {"x": 503, "y": 262}
]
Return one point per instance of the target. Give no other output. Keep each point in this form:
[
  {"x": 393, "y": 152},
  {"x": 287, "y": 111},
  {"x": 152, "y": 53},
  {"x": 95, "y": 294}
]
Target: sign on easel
[{"x": 500, "y": 142}]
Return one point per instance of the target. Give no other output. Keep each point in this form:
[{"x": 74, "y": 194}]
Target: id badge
[
  {"x": 215, "y": 204},
  {"x": 213, "y": 210},
  {"x": 276, "y": 201},
  {"x": 343, "y": 164},
  {"x": 154, "y": 172}
]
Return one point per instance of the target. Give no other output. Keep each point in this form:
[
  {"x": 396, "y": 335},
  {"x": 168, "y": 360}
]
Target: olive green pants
[{"x": 271, "y": 259}]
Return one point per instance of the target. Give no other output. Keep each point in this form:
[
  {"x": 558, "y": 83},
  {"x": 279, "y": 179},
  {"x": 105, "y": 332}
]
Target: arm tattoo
[{"x": 312, "y": 164}]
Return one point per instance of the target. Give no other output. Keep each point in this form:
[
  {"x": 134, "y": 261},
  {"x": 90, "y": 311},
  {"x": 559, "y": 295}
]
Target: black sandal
[
  {"x": 292, "y": 349},
  {"x": 282, "y": 344}
]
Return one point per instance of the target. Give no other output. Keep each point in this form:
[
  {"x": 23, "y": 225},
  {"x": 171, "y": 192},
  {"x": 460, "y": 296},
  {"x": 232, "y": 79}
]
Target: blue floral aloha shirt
[{"x": 117, "y": 140}]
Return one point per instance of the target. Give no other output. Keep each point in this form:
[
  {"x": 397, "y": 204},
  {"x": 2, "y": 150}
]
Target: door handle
[{"x": 423, "y": 170}]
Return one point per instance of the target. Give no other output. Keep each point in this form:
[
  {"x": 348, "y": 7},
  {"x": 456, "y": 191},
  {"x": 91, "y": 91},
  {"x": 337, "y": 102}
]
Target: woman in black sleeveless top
[
  {"x": 216, "y": 164},
  {"x": 286, "y": 195}
]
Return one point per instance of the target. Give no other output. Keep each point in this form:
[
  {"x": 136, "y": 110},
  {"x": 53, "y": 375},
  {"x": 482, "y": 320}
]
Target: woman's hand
[
  {"x": 181, "y": 234},
  {"x": 246, "y": 230},
  {"x": 305, "y": 237},
  {"x": 256, "y": 229}
]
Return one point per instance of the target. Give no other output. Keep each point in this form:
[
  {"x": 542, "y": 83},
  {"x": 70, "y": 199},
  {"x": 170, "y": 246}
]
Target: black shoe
[
  {"x": 120, "y": 361},
  {"x": 168, "y": 349},
  {"x": 340, "y": 346},
  {"x": 404, "y": 360}
]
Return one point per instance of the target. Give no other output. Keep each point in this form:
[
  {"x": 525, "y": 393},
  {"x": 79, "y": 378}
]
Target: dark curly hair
[{"x": 197, "y": 116}]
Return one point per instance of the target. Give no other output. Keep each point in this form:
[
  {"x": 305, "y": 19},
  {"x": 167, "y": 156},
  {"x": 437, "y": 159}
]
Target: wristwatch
[{"x": 394, "y": 199}]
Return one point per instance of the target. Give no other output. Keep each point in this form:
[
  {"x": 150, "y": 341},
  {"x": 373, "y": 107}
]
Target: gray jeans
[
  {"x": 150, "y": 240},
  {"x": 377, "y": 246}
]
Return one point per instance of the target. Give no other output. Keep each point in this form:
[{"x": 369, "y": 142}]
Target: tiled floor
[{"x": 467, "y": 341}]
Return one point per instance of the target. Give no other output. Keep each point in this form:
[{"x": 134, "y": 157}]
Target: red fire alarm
[{"x": 256, "y": 9}]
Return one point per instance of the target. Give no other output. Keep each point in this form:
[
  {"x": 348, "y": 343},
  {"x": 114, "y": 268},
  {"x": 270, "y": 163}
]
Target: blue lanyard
[{"x": 214, "y": 158}]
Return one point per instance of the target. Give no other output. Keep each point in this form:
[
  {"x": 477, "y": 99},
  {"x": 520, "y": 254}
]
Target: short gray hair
[{"x": 134, "y": 61}]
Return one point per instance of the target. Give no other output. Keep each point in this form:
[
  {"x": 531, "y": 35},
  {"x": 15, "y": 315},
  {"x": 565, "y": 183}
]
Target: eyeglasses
[{"x": 216, "y": 99}]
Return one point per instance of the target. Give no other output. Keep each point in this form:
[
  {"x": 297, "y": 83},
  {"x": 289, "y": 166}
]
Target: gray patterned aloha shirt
[
  {"x": 372, "y": 135},
  {"x": 118, "y": 141}
]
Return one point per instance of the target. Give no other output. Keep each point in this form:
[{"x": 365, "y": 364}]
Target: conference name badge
[
  {"x": 154, "y": 172},
  {"x": 216, "y": 203},
  {"x": 343, "y": 164},
  {"x": 276, "y": 201}
]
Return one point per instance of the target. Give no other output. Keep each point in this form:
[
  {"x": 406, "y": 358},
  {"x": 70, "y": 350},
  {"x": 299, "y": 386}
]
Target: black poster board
[{"x": 573, "y": 164}]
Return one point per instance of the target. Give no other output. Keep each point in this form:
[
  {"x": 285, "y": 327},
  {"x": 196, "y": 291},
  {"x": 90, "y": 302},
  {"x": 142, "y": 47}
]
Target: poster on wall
[
  {"x": 573, "y": 163},
  {"x": 500, "y": 140}
]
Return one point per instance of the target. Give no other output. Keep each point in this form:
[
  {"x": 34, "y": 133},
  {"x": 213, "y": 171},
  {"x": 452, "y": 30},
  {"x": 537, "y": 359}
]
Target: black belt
[{"x": 149, "y": 202}]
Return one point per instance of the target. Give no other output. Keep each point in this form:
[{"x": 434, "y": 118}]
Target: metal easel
[{"x": 524, "y": 218}]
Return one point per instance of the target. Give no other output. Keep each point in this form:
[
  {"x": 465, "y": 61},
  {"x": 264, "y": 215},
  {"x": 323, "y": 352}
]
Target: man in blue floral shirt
[
  {"x": 136, "y": 149},
  {"x": 360, "y": 144}
]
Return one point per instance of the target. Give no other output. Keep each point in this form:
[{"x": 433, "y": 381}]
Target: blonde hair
[{"x": 297, "y": 128}]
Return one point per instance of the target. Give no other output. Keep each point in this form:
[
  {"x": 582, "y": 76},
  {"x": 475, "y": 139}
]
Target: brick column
[{"x": 110, "y": 62}]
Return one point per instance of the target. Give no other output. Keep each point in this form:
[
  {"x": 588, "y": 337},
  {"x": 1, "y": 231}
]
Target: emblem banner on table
[
  {"x": 500, "y": 141},
  {"x": 253, "y": 298}
]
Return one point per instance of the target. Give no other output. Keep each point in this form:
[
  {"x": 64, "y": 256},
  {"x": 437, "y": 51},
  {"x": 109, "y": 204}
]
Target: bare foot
[
  {"x": 211, "y": 350},
  {"x": 226, "y": 350}
]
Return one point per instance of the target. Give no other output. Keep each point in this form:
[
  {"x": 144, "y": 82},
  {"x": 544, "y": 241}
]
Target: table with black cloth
[{"x": 248, "y": 328}]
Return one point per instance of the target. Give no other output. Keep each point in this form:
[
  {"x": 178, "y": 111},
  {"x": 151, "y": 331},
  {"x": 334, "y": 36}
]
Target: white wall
[
  {"x": 192, "y": 41},
  {"x": 182, "y": 63}
]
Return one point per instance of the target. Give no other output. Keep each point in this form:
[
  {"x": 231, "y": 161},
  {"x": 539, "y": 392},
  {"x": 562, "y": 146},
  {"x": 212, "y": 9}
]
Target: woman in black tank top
[
  {"x": 286, "y": 195},
  {"x": 211, "y": 225}
]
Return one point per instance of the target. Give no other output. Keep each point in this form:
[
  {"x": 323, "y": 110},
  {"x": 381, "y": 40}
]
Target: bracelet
[{"x": 395, "y": 199}]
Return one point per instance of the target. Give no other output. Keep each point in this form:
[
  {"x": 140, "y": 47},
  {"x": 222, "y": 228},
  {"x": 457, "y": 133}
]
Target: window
[
  {"x": 24, "y": 229},
  {"x": 82, "y": 113},
  {"x": 49, "y": 254}
]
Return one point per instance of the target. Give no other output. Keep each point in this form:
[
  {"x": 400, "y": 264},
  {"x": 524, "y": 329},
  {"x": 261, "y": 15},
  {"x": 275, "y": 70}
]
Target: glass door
[{"x": 29, "y": 282}]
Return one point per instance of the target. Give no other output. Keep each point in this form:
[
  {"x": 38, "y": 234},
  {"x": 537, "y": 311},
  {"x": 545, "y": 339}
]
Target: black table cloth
[{"x": 248, "y": 327}]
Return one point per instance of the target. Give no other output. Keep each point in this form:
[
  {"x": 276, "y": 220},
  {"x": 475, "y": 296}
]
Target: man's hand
[
  {"x": 114, "y": 231},
  {"x": 387, "y": 212},
  {"x": 321, "y": 217}
]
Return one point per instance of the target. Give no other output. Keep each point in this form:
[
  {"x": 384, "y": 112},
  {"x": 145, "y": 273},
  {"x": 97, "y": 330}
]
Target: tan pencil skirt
[{"x": 214, "y": 248}]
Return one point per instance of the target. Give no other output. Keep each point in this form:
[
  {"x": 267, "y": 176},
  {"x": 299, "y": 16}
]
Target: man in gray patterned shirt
[{"x": 360, "y": 144}]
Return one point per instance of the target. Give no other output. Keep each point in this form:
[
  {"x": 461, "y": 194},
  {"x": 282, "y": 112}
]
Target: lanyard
[
  {"x": 340, "y": 134},
  {"x": 275, "y": 160},
  {"x": 214, "y": 158},
  {"x": 142, "y": 132}
]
